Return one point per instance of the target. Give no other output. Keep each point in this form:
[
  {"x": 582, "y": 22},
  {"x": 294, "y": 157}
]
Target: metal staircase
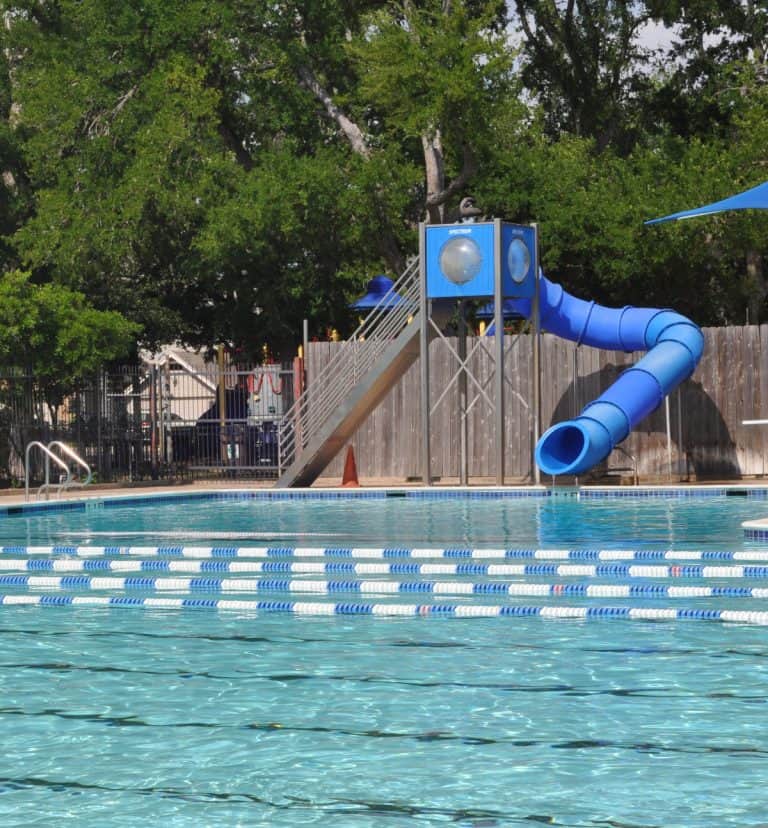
[{"x": 352, "y": 384}]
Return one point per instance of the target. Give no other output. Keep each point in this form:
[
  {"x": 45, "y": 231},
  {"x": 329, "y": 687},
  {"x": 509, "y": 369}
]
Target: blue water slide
[{"x": 674, "y": 346}]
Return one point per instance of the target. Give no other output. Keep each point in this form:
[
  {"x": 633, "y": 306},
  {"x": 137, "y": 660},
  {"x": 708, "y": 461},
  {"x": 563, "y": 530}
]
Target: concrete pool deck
[{"x": 10, "y": 497}]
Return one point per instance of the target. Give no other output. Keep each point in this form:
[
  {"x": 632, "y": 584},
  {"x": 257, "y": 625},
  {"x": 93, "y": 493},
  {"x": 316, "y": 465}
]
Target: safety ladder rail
[
  {"x": 357, "y": 356},
  {"x": 75, "y": 457},
  {"x": 49, "y": 455},
  {"x": 633, "y": 468}
]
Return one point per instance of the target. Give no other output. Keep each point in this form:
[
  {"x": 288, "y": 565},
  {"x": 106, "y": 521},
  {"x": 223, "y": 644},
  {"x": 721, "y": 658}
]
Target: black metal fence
[{"x": 165, "y": 420}]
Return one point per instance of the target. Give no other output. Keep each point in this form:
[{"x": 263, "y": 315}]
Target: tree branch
[
  {"x": 351, "y": 130},
  {"x": 468, "y": 169}
]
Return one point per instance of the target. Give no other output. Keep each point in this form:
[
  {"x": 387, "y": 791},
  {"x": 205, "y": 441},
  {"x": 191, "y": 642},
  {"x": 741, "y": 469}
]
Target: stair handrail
[
  {"x": 73, "y": 455},
  {"x": 49, "y": 454},
  {"x": 632, "y": 459},
  {"x": 355, "y": 358}
]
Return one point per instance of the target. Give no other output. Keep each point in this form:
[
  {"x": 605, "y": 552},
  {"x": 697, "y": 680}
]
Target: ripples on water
[{"x": 138, "y": 718}]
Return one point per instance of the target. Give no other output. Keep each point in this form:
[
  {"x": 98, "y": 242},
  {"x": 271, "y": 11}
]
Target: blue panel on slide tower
[
  {"x": 518, "y": 261},
  {"x": 461, "y": 260}
]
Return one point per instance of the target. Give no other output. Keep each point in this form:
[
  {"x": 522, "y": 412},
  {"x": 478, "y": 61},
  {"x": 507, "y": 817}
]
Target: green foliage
[
  {"x": 55, "y": 335},
  {"x": 422, "y": 68},
  {"x": 170, "y": 161},
  {"x": 585, "y": 64},
  {"x": 591, "y": 212}
]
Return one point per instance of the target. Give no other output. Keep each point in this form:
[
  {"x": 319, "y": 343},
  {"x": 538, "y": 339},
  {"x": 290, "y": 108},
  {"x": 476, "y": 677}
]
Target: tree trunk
[
  {"x": 434, "y": 169},
  {"x": 755, "y": 289}
]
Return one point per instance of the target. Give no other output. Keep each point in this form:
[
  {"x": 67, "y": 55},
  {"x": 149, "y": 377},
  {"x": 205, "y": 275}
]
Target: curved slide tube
[{"x": 674, "y": 346}]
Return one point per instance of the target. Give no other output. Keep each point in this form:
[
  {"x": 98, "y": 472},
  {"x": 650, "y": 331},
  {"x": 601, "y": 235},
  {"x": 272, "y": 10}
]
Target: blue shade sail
[{"x": 754, "y": 199}]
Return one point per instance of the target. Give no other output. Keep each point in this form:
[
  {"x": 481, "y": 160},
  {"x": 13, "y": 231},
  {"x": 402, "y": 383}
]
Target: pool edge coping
[{"x": 98, "y": 500}]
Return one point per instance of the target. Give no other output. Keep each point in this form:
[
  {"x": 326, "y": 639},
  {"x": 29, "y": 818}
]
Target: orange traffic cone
[{"x": 349, "y": 480}]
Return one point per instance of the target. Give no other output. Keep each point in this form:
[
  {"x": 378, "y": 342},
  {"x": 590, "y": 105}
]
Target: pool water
[
  {"x": 126, "y": 717},
  {"x": 701, "y": 522}
]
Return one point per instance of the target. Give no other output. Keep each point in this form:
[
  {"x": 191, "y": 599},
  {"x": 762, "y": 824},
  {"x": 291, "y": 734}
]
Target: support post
[
  {"x": 222, "y": 397},
  {"x": 426, "y": 474},
  {"x": 669, "y": 436},
  {"x": 682, "y": 463},
  {"x": 153, "y": 443},
  {"x": 462, "y": 383},
  {"x": 536, "y": 319},
  {"x": 102, "y": 387},
  {"x": 498, "y": 340},
  {"x": 166, "y": 397}
]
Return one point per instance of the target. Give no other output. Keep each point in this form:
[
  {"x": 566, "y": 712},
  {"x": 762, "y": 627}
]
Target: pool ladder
[{"x": 51, "y": 455}]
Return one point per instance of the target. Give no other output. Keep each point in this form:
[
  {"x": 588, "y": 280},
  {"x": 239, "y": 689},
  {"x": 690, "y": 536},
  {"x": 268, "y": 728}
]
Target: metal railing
[
  {"x": 633, "y": 468},
  {"x": 49, "y": 454},
  {"x": 357, "y": 356}
]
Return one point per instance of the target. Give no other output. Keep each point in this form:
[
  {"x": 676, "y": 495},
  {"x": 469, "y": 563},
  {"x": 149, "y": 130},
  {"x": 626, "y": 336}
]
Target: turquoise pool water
[
  {"x": 139, "y": 717},
  {"x": 702, "y": 522}
]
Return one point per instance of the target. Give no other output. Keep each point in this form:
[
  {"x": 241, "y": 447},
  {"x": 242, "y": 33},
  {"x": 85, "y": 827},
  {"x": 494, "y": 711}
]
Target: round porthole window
[
  {"x": 518, "y": 260},
  {"x": 460, "y": 259}
]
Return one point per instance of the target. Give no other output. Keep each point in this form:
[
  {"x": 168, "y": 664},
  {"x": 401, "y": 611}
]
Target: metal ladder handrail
[
  {"x": 339, "y": 376},
  {"x": 357, "y": 356},
  {"x": 362, "y": 355},
  {"x": 73, "y": 455},
  {"x": 632, "y": 459},
  {"x": 50, "y": 455}
]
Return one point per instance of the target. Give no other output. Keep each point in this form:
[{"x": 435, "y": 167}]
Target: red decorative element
[
  {"x": 276, "y": 389},
  {"x": 255, "y": 383}
]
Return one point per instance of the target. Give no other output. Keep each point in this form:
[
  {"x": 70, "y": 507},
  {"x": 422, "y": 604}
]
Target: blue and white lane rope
[
  {"x": 389, "y": 553},
  {"x": 389, "y": 610},
  {"x": 606, "y": 570},
  {"x": 499, "y": 588}
]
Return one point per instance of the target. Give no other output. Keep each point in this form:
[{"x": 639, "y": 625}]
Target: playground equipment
[
  {"x": 498, "y": 261},
  {"x": 674, "y": 344}
]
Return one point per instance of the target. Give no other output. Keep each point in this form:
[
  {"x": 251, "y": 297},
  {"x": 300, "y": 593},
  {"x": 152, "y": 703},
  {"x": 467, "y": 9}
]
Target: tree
[
  {"x": 12, "y": 189},
  {"x": 144, "y": 125},
  {"x": 54, "y": 335},
  {"x": 586, "y": 67},
  {"x": 703, "y": 74},
  {"x": 435, "y": 74},
  {"x": 193, "y": 162},
  {"x": 218, "y": 171}
]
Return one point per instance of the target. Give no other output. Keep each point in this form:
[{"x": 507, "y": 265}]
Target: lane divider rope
[
  {"x": 390, "y": 553},
  {"x": 389, "y": 610},
  {"x": 606, "y": 570},
  {"x": 377, "y": 587}
]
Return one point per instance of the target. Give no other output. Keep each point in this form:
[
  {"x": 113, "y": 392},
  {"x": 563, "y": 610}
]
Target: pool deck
[{"x": 12, "y": 497}]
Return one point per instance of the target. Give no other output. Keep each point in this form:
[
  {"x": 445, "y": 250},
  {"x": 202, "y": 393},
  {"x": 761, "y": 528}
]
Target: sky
[{"x": 656, "y": 35}]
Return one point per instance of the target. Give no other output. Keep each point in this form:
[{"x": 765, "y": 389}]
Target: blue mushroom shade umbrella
[
  {"x": 753, "y": 199},
  {"x": 508, "y": 309},
  {"x": 377, "y": 291},
  {"x": 487, "y": 313}
]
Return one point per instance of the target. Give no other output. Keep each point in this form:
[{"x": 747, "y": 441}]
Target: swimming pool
[{"x": 136, "y": 716}]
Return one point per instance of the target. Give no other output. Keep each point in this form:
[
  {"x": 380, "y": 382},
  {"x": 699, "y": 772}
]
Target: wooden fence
[{"x": 699, "y": 435}]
